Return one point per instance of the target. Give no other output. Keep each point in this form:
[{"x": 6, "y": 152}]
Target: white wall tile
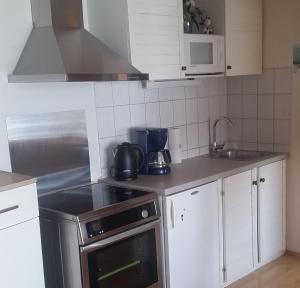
[
  {"x": 250, "y": 106},
  {"x": 138, "y": 115},
  {"x": 191, "y": 92},
  {"x": 235, "y": 106},
  {"x": 165, "y": 94},
  {"x": 136, "y": 92},
  {"x": 235, "y": 131},
  {"x": 217, "y": 86},
  {"x": 106, "y": 154},
  {"x": 266, "y": 82},
  {"x": 192, "y": 136},
  {"x": 265, "y": 147},
  {"x": 282, "y": 106},
  {"x": 152, "y": 115},
  {"x": 183, "y": 137},
  {"x": 192, "y": 111},
  {"x": 184, "y": 155},
  {"x": 283, "y": 81},
  {"x": 265, "y": 106},
  {"x": 250, "y": 146},
  {"x": 120, "y": 93},
  {"x": 250, "y": 85},
  {"x": 122, "y": 119},
  {"x": 103, "y": 94},
  {"x": 193, "y": 153},
  {"x": 179, "y": 112},
  {"x": 178, "y": 93},
  {"x": 204, "y": 150},
  {"x": 281, "y": 148},
  {"x": 106, "y": 122},
  {"x": 265, "y": 131},
  {"x": 151, "y": 95},
  {"x": 223, "y": 103},
  {"x": 250, "y": 127},
  {"x": 203, "y": 109},
  {"x": 203, "y": 134},
  {"x": 202, "y": 89},
  {"x": 166, "y": 114},
  {"x": 214, "y": 107},
  {"x": 282, "y": 132},
  {"x": 234, "y": 85}
]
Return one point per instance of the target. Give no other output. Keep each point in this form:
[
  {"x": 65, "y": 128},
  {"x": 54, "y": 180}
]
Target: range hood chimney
[{"x": 59, "y": 49}]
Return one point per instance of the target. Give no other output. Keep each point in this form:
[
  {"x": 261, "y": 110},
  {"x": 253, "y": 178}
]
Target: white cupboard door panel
[
  {"x": 154, "y": 37},
  {"x": 271, "y": 198},
  {"x": 193, "y": 238},
  {"x": 244, "y": 54},
  {"x": 18, "y": 205},
  {"x": 238, "y": 225},
  {"x": 243, "y": 30},
  {"x": 21, "y": 256}
]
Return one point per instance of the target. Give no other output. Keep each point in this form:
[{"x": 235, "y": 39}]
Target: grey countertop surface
[
  {"x": 10, "y": 181},
  {"x": 194, "y": 172}
]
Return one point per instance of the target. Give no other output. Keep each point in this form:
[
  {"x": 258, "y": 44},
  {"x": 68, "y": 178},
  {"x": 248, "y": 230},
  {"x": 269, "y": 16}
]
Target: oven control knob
[{"x": 145, "y": 213}]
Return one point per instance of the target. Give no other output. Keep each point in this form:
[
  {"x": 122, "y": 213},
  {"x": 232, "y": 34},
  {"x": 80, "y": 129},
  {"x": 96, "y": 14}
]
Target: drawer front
[{"x": 18, "y": 205}]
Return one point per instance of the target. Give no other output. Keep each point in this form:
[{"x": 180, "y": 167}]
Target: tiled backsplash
[
  {"x": 261, "y": 110},
  {"x": 122, "y": 106}
]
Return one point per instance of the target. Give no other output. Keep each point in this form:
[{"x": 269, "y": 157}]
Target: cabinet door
[
  {"x": 192, "y": 238},
  {"x": 243, "y": 27},
  {"x": 271, "y": 211},
  {"x": 238, "y": 220},
  {"x": 154, "y": 37},
  {"x": 21, "y": 256}
]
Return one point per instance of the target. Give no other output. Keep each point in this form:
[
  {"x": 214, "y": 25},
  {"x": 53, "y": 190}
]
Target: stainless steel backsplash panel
[{"x": 52, "y": 147}]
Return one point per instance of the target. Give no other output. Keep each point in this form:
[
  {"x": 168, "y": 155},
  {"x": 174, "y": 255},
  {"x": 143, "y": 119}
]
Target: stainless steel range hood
[{"x": 59, "y": 49}]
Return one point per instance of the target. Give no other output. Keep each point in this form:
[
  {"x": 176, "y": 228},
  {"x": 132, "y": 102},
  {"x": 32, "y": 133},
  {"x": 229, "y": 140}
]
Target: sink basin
[{"x": 242, "y": 155}]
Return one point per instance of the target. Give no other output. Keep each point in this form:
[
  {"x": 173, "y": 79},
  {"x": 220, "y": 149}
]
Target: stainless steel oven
[
  {"x": 99, "y": 236},
  {"x": 128, "y": 260}
]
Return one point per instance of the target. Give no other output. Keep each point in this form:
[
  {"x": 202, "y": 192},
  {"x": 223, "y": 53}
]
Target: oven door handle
[{"x": 124, "y": 235}]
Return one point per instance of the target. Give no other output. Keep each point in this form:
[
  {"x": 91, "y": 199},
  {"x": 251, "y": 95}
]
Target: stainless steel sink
[{"x": 242, "y": 155}]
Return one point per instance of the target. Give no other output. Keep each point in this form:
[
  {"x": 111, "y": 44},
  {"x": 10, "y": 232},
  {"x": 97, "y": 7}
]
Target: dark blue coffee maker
[{"x": 157, "y": 158}]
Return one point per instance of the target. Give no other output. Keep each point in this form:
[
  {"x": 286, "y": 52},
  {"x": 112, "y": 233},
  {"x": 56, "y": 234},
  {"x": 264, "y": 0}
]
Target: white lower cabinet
[
  {"x": 21, "y": 263},
  {"x": 271, "y": 211},
  {"x": 192, "y": 238},
  {"x": 238, "y": 226},
  {"x": 21, "y": 256},
  {"x": 217, "y": 233}
]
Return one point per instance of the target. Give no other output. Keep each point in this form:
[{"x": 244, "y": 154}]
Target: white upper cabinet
[
  {"x": 243, "y": 34},
  {"x": 145, "y": 32}
]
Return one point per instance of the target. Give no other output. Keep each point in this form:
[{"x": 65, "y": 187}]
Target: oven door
[{"x": 128, "y": 260}]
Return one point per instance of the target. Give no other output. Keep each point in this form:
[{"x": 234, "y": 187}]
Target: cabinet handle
[
  {"x": 9, "y": 209},
  {"x": 262, "y": 180},
  {"x": 195, "y": 193},
  {"x": 172, "y": 214},
  {"x": 229, "y": 67},
  {"x": 254, "y": 183}
]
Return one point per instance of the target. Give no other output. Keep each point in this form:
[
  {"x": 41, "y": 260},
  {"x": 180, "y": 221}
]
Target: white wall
[{"x": 281, "y": 33}]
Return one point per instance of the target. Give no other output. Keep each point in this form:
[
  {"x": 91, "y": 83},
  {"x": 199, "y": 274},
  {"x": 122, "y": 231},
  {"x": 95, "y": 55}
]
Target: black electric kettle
[{"x": 128, "y": 160}]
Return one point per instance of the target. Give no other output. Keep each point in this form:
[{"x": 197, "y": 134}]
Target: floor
[{"x": 282, "y": 273}]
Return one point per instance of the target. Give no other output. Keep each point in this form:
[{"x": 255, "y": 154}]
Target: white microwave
[{"x": 203, "y": 55}]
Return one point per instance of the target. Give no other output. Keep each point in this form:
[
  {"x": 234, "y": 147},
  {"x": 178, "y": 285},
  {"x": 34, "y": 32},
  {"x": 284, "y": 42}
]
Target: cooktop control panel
[{"x": 128, "y": 218}]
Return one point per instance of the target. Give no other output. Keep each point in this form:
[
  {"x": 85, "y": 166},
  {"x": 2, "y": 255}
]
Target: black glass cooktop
[{"x": 87, "y": 198}]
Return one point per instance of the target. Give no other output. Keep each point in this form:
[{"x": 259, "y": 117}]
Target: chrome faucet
[{"x": 215, "y": 147}]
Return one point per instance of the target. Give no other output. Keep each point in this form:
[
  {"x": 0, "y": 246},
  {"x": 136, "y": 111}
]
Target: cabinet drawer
[{"x": 18, "y": 205}]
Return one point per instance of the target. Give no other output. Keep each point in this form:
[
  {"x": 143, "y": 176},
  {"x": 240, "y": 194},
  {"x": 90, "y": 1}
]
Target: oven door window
[
  {"x": 130, "y": 263},
  {"x": 201, "y": 53}
]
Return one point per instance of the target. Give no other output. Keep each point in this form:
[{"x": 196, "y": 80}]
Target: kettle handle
[
  {"x": 169, "y": 155},
  {"x": 141, "y": 152}
]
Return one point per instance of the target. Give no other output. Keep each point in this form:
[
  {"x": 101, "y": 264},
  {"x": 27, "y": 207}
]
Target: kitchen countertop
[
  {"x": 10, "y": 181},
  {"x": 194, "y": 172}
]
